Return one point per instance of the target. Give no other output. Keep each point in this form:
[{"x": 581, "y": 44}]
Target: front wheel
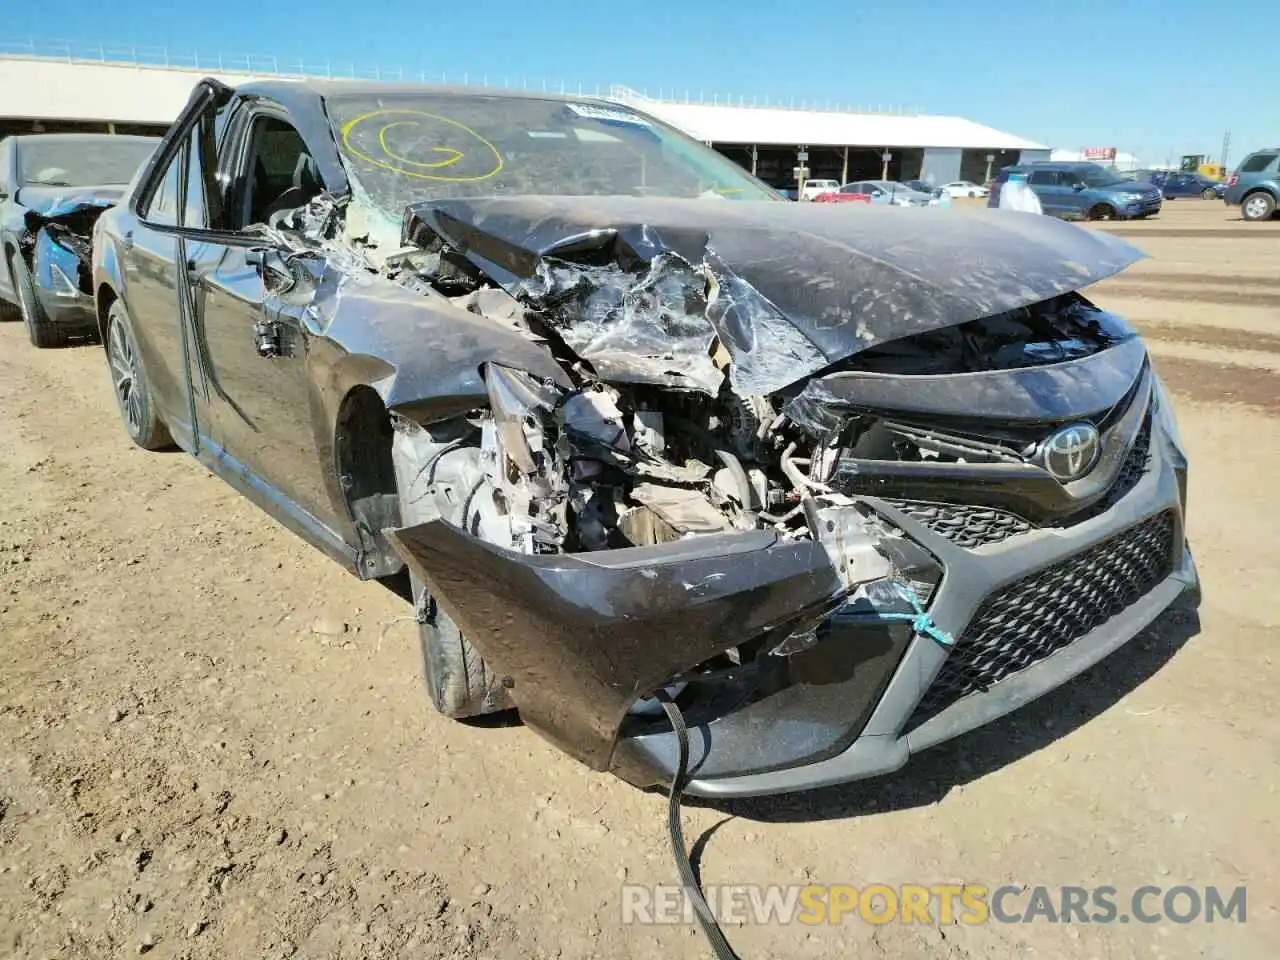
[
  {"x": 1102, "y": 211},
  {"x": 460, "y": 683},
  {"x": 1258, "y": 206},
  {"x": 444, "y": 478},
  {"x": 129, "y": 383},
  {"x": 1208, "y": 193},
  {"x": 41, "y": 331}
]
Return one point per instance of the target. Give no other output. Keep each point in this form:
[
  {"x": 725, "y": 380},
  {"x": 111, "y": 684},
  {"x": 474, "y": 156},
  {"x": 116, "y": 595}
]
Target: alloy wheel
[
  {"x": 1255, "y": 208},
  {"x": 125, "y": 376}
]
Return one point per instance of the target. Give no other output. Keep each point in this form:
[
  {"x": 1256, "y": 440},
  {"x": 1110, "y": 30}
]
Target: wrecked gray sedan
[{"x": 837, "y": 484}]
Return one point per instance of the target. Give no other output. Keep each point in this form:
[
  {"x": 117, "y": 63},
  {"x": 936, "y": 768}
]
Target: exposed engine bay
[
  {"x": 654, "y": 444},
  {"x": 703, "y": 389}
]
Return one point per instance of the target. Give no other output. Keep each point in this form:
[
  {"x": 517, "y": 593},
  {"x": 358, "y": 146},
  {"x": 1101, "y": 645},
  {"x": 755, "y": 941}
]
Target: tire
[
  {"x": 1258, "y": 205},
  {"x": 460, "y": 683},
  {"x": 9, "y": 311},
  {"x": 129, "y": 383},
  {"x": 1208, "y": 193},
  {"x": 41, "y": 331},
  {"x": 1101, "y": 211}
]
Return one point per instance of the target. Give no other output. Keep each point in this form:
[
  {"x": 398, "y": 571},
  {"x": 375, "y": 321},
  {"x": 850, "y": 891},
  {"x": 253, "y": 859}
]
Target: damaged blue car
[{"x": 53, "y": 188}]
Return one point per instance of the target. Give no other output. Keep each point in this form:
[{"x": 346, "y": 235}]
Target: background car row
[{"x": 53, "y": 188}]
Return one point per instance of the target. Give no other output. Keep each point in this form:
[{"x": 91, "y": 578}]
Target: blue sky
[{"x": 1156, "y": 77}]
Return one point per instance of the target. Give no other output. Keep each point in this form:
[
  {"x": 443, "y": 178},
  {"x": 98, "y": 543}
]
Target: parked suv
[
  {"x": 1083, "y": 191},
  {"x": 1255, "y": 186},
  {"x": 1180, "y": 183}
]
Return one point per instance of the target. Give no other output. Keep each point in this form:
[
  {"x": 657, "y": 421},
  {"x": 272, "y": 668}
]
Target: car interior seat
[{"x": 306, "y": 186}]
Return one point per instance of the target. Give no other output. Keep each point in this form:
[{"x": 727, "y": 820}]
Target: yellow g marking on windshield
[
  {"x": 382, "y": 142},
  {"x": 399, "y": 163}
]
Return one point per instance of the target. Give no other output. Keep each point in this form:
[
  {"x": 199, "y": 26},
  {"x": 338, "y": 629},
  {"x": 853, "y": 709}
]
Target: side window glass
[
  {"x": 1044, "y": 178},
  {"x": 195, "y": 209},
  {"x": 280, "y": 171},
  {"x": 1258, "y": 162},
  {"x": 162, "y": 208}
]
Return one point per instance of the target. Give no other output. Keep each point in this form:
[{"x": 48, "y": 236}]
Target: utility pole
[{"x": 1226, "y": 147}]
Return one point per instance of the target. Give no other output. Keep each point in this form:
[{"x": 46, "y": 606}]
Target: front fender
[{"x": 423, "y": 356}]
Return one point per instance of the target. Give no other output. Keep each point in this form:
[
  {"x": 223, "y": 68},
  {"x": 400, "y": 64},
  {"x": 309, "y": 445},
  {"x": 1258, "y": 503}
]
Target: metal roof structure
[
  {"x": 117, "y": 90},
  {"x": 781, "y": 126}
]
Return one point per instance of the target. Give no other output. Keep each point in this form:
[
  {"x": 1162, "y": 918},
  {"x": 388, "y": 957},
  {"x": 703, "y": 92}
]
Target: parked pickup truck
[{"x": 812, "y": 189}]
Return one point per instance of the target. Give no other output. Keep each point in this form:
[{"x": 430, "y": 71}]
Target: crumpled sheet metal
[
  {"x": 582, "y": 636},
  {"x": 42, "y": 209},
  {"x": 424, "y": 355},
  {"x": 821, "y": 283}
]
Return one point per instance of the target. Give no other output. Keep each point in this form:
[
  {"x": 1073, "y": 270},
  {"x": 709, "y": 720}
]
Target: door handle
[{"x": 126, "y": 240}]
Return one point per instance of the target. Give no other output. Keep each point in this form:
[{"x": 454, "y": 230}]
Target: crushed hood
[
  {"x": 53, "y": 202},
  {"x": 787, "y": 288}
]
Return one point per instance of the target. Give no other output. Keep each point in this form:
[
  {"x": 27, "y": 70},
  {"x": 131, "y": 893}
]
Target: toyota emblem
[{"x": 1068, "y": 454}]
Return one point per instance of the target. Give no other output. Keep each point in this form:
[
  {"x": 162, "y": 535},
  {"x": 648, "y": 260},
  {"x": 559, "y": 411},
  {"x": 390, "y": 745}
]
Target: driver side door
[{"x": 250, "y": 340}]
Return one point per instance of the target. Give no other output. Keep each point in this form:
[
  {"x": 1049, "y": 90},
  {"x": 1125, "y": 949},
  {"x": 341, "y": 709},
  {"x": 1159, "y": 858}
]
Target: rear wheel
[
  {"x": 1259, "y": 205},
  {"x": 129, "y": 383},
  {"x": 1102, "y": 211},
  {"x": 41, "y": 331}
]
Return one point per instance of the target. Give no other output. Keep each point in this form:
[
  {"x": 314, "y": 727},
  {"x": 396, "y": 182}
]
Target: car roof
[
  {"x": 285, "y": 91},
  {"x": 1060, "y": 164}
]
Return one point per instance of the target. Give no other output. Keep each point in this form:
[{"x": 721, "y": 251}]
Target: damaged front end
[
  {"x": 58, "y": 247},
  {"x": 711, "y": 502}
]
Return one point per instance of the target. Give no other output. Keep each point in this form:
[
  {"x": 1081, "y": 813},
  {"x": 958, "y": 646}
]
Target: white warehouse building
[{"x": 41, "y": 92}]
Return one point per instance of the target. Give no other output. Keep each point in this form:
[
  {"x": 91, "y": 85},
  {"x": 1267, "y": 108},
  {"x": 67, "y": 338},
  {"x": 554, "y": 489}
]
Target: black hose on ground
[{"x": 706, "y": 919}]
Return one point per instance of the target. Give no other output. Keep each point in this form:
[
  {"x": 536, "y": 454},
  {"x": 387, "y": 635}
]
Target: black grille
[
  {"x": 964, "y": 525},
  {"x": 1040, "y": 614}
]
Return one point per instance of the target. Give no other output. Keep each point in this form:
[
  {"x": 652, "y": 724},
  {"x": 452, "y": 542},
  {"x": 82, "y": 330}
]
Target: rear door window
[
  {"x": 1258, "y": 162},
  {"x": 1044, "y": 178},
  {"x": 162, "y": 206}
]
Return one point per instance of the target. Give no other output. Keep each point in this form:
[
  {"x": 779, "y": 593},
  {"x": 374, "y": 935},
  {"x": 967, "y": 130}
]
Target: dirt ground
[{"x": 215, "y": 744}]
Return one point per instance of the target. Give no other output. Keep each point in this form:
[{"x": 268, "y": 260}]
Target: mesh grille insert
[
  {"x": 964, "y": 525},
  {"x": 1028, "y": 620}
]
